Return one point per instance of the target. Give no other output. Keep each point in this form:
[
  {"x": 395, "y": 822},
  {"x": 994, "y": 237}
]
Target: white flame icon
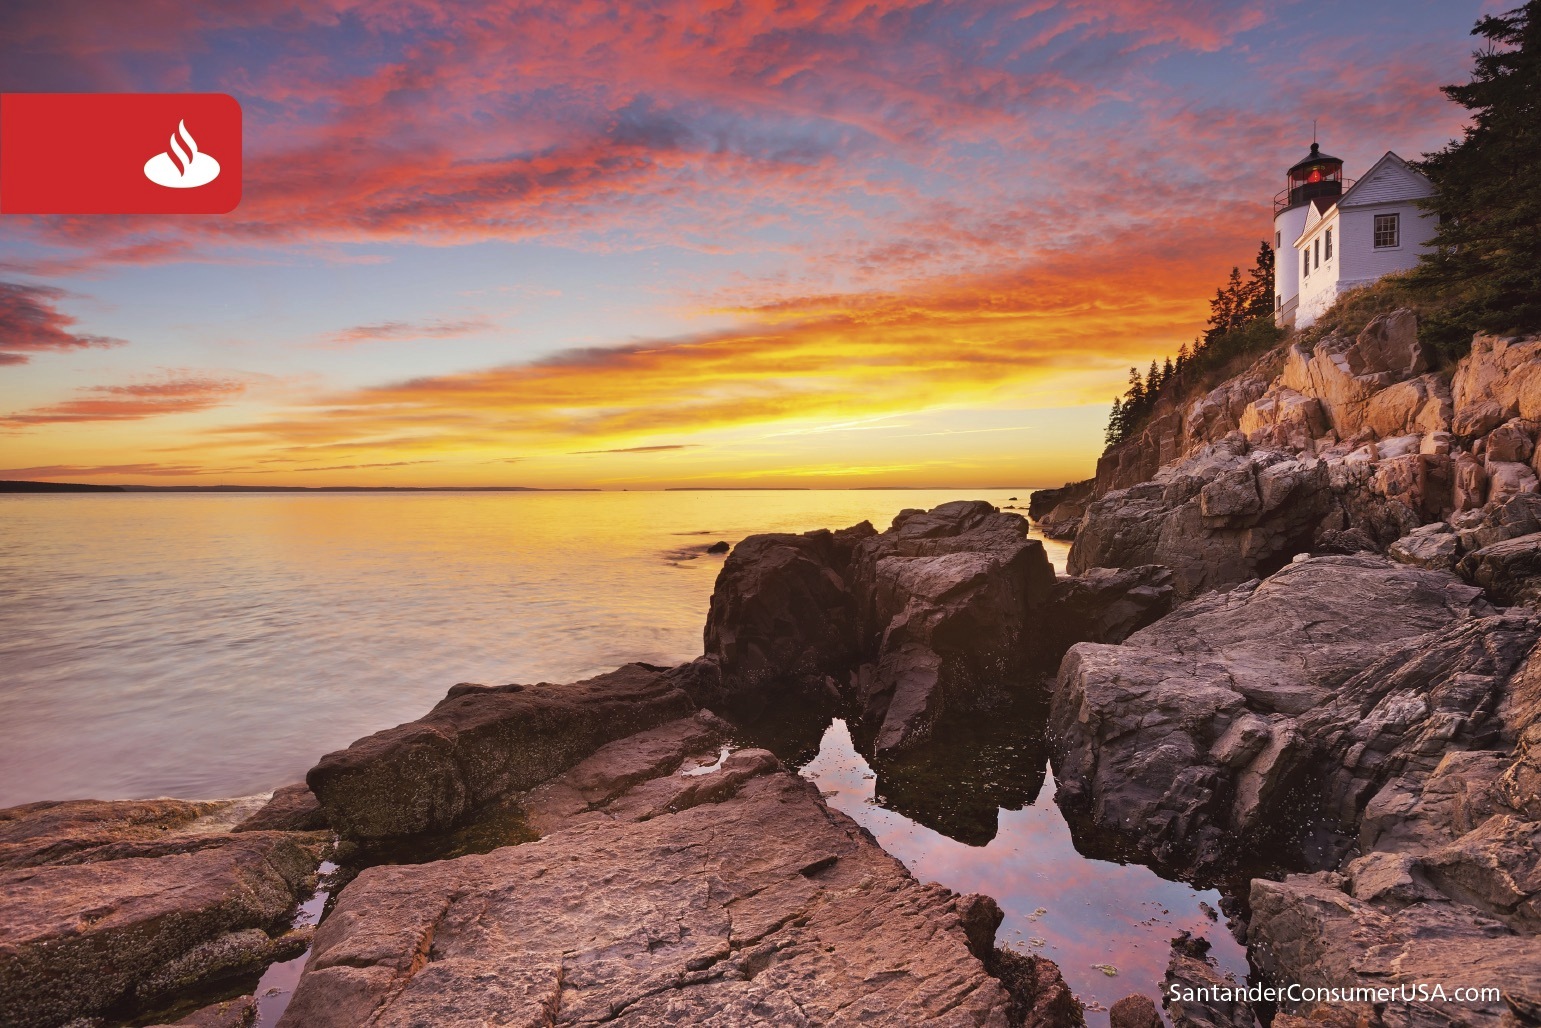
[{"x": 184, "y": 166}]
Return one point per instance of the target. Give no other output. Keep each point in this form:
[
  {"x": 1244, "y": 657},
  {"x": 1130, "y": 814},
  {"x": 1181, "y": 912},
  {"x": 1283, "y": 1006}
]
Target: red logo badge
[{"x": 119, "y": 153}]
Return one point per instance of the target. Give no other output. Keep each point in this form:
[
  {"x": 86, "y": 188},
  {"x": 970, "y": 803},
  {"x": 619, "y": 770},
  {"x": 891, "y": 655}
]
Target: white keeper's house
[{"x": 1332, "y": 235}]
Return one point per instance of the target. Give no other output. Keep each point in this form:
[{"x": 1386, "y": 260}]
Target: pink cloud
[{"x": 31, "y": 322}]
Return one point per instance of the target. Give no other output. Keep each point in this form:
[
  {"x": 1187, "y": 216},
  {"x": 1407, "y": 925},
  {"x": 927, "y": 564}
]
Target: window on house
[
  {"x": 1278, "y": 240},
  {"x": 1388, "y": 230},
  {"x": 1306, "y": 266},
  {"x": 1329, "y": 244},
  {"x": 1316, "y": 244},
  {"x": 1278, "y": 301}
]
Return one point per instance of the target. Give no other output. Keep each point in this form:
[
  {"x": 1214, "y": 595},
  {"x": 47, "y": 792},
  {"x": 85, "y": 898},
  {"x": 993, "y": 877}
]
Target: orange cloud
[{"x": 958, "y": 340}]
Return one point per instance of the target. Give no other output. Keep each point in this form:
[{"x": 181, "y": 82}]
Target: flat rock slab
[
  {"x": 479, "y": 744},
  {"x": 729, "y": 897},
  {"x": 77, "y": 831},
  {"x": 82, "y": 938}
]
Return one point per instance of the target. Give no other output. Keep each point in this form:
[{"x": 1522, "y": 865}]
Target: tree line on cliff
[
  {"x": 1240, "y": 321},
  {"x": 1482, "y": 271}
]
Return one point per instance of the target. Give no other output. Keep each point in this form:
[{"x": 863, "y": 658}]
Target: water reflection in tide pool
[{"x": 1077, "y": 911}]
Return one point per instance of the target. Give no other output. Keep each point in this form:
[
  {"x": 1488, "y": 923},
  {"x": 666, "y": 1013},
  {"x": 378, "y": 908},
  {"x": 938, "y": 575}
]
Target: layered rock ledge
[{"x": 111, "y": 908}]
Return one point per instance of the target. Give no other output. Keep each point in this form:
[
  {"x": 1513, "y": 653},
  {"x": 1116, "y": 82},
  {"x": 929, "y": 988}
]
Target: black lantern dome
[{"x": 1319, "y": 175}]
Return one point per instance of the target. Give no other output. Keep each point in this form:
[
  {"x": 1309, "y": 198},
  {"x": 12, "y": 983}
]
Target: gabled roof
[
  {"x": 1389, "y": 180},
  {"x": 1320, "y": 210}
]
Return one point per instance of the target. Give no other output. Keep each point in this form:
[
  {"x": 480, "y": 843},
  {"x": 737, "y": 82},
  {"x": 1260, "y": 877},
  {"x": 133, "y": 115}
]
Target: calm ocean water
[{"x": 216, "y": 645}]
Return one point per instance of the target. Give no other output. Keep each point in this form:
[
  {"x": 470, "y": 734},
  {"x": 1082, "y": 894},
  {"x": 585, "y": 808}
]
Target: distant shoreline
[{"x": 81, "y": 487}]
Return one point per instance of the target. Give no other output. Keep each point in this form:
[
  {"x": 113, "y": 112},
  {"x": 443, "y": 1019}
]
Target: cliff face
[{"x": 1343, "y": 446}]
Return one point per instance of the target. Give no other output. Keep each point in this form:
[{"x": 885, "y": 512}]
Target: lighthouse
[{"x": 1316, "y": 181}]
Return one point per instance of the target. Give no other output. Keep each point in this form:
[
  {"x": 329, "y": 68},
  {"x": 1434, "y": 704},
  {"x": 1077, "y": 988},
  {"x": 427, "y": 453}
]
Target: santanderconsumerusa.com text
[{"x": 1410, "y": 992}]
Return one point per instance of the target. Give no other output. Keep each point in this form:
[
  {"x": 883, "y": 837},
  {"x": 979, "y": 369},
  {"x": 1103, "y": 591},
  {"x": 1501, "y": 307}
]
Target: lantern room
[{"x": 1319, "y": 175}]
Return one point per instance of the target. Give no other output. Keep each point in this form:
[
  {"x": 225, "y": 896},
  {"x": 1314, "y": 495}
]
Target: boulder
[
  {"x": 1064, "y": 520},
  {"x": 1221, "y": 411},
  {"x": 1284, "y": 418},
  {"x": 1471, "y": 484},
  {"x": 1107, "y": 605},
  {"x": 1510, "y": 570},
  {"x": 1417, "y": 405},
  {"x": 1514, "y": 441},
  {"x": 1041, "y": 501},
  {"x": 1433, "y": 546},
  {"x": 1403, "y": 713},
  {"x": 782, "y": 614},
  {"x": 102, "y": 931},
  {"x": 1507, "y": 479},
  {"x": 1498, "y": 380},
  {"x": 947, "y": 602},
  {"x": 1217, "y": 517},
  {"x": 1187, "y": 738},
  {"x": 932, "y": 618},
  {"x": 668, "y": 888},
  {"x": 479, "y": 744},
  {"x": 1135, "y": 1012},
  {"x": 1517, "y": 516},
  {"x": 1345, "y": 375},
  {"x": 1421, "y": 482}
]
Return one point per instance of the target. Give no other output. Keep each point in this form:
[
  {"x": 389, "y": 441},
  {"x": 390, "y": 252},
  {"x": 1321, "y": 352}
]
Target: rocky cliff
[
  {"x": 1340, "y": 446},
  {"x": 1348, "y": 701}
]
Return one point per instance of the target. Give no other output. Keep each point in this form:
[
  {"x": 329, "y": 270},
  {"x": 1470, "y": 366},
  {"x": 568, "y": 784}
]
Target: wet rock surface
[{"x": 673, "y": 884}]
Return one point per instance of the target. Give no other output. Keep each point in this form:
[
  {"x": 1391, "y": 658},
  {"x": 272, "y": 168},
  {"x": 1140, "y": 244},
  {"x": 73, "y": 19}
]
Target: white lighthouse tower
[{"x": 1316, "y": 181}]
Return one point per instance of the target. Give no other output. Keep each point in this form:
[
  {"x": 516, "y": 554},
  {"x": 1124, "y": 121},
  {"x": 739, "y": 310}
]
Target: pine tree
[
  {"x": 1258, "y": 292},
  {"x": 1115, "y": 430},
  {"x": 1486, "y": 257}
]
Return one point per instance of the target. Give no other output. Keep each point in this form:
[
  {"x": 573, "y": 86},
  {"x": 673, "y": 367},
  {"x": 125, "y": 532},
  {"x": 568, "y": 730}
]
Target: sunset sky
[{"x": 704, "y": 243}]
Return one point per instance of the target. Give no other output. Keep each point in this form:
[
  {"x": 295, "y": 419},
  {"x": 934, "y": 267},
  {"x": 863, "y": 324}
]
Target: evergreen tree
[
  {"x": 1238, "y": 304},
  {"x": 1486, "y": 257},
  {"x": 1115, "y": 430},
  {"x": 1258, "y": 292},
  {"x": 1222, "y": 310}
]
